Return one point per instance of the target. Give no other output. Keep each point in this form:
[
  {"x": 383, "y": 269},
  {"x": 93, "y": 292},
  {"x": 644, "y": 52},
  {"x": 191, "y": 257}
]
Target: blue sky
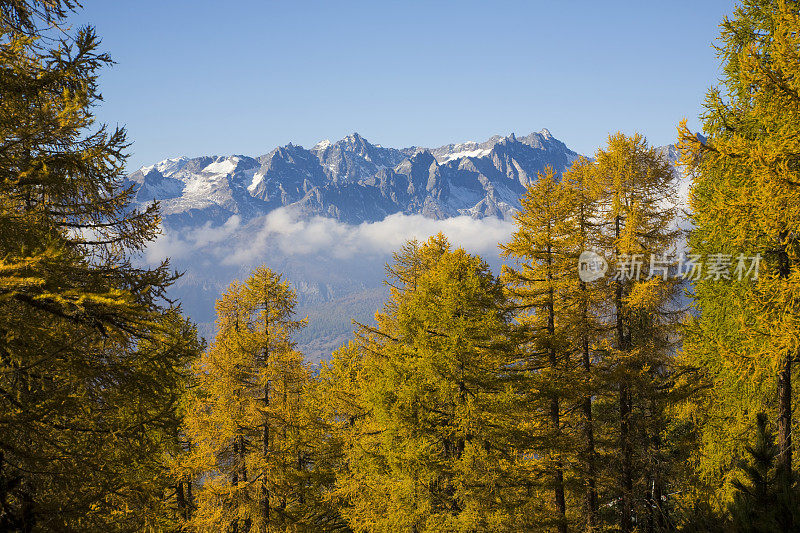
[{"x": 200, "y": 77}]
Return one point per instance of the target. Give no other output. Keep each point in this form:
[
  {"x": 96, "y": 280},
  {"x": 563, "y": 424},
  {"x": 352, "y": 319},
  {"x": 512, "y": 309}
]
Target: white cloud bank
[{"x": 282, "y": 230}]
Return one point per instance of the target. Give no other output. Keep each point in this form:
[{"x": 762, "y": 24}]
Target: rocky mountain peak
[{"x": 354, "y": 180}]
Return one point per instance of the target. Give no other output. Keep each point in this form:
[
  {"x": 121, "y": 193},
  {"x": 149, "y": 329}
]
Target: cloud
[
  {"x": 283, "y": 231},
  {"x": 179, "y": 245}
]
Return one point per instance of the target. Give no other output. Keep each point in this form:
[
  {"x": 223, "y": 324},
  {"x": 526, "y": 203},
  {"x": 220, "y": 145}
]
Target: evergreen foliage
[
  {"x": 536, "y": 400},
  {"x": 426, "y": 449},
  {"x": 744, "y": 341},
  {"x": 92, "y": 356},
  {"x": 252, "y": 436}
]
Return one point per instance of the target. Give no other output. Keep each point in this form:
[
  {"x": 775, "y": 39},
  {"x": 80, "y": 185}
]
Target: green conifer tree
[
  {"x": 91, "y": 357},
  {"x": 762, "y": 502},
  {"x": 252, "y": 437},
  {"x": 636, "y": 211},
  {"x": 745, "y": 189},
  {"x": 425, "y": 450}
]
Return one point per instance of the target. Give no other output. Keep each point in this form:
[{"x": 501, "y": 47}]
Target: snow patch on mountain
[
  {"x": 258, "y": 177},
  {"x": 166, "y": 167},
  {"x": 222, "y": 166},
  {"x": 477, "y": 152},
  {"x": 323, "y": 144}
]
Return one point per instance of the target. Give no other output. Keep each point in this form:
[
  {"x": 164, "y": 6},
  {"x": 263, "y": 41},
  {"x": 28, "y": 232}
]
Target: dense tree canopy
[
  {"x": 744, "y": 204},
  {"x": 92, "y": 358},
  {"x": 572, "y": 391}
]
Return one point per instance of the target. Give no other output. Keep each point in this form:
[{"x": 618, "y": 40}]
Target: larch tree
[
  {"x": 584, "y": 323},
  {"x": 92, "y": 358},
  {"x": 561, "y": 321},
  {"x": 544, "y": 271},
  {"x": 636, "y": 212},
  {"x": 744, "y": 200},
  {"x": 250, "y": 435},
  {"x": 427, "y": 451}
]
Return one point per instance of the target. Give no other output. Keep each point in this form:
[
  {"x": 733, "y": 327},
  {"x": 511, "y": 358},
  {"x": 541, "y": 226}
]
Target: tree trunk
[
  {"x": 235, "y": 481},
  {"x": 28, "y": 514},
  {"x": 243, "y": 477},
  {"x": 284, "y": 466},
  {"x": 189, "y": 499},
  {"x": 558, "y": 477},
  {"x": 181, "y": 500},
  {"x": 625, "y": 445},
  {"x": 785, "y": 418},
  {"x": 661, "y": 509},
  {"x": 265, "y": 451},
  {"x": 784, "y": 462},
  {"x": 301, "y": 467},
  {"x": 555, "y": 408},
  {"x": 591, "y": 464},
  {"x": 626, "y": 479},
  {"x": 265, "y": 510},
  {"x": 785, "y": 387},
  {"x": 590, "y": 459}
]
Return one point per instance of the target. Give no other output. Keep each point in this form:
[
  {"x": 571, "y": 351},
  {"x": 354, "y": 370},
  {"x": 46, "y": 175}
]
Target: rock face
[{"x": 353, "y": 180}]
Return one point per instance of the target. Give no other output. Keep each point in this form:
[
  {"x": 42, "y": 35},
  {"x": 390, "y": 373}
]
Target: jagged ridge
[{"x": 353, "y": 180}]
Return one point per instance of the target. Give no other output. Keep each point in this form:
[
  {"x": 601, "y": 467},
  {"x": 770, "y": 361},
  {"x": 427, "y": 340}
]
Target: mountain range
[{"x": 353, "y": 180}]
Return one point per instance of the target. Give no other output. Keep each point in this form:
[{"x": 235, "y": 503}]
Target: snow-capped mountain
[{"x": 353, "y": 180}]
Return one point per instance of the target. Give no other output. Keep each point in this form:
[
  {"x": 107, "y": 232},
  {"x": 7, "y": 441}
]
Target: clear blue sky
[{"x": 243, "y": 76}]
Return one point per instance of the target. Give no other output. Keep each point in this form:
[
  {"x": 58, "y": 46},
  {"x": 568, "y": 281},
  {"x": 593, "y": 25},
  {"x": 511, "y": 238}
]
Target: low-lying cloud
[{"x": 283, "y": 231}]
